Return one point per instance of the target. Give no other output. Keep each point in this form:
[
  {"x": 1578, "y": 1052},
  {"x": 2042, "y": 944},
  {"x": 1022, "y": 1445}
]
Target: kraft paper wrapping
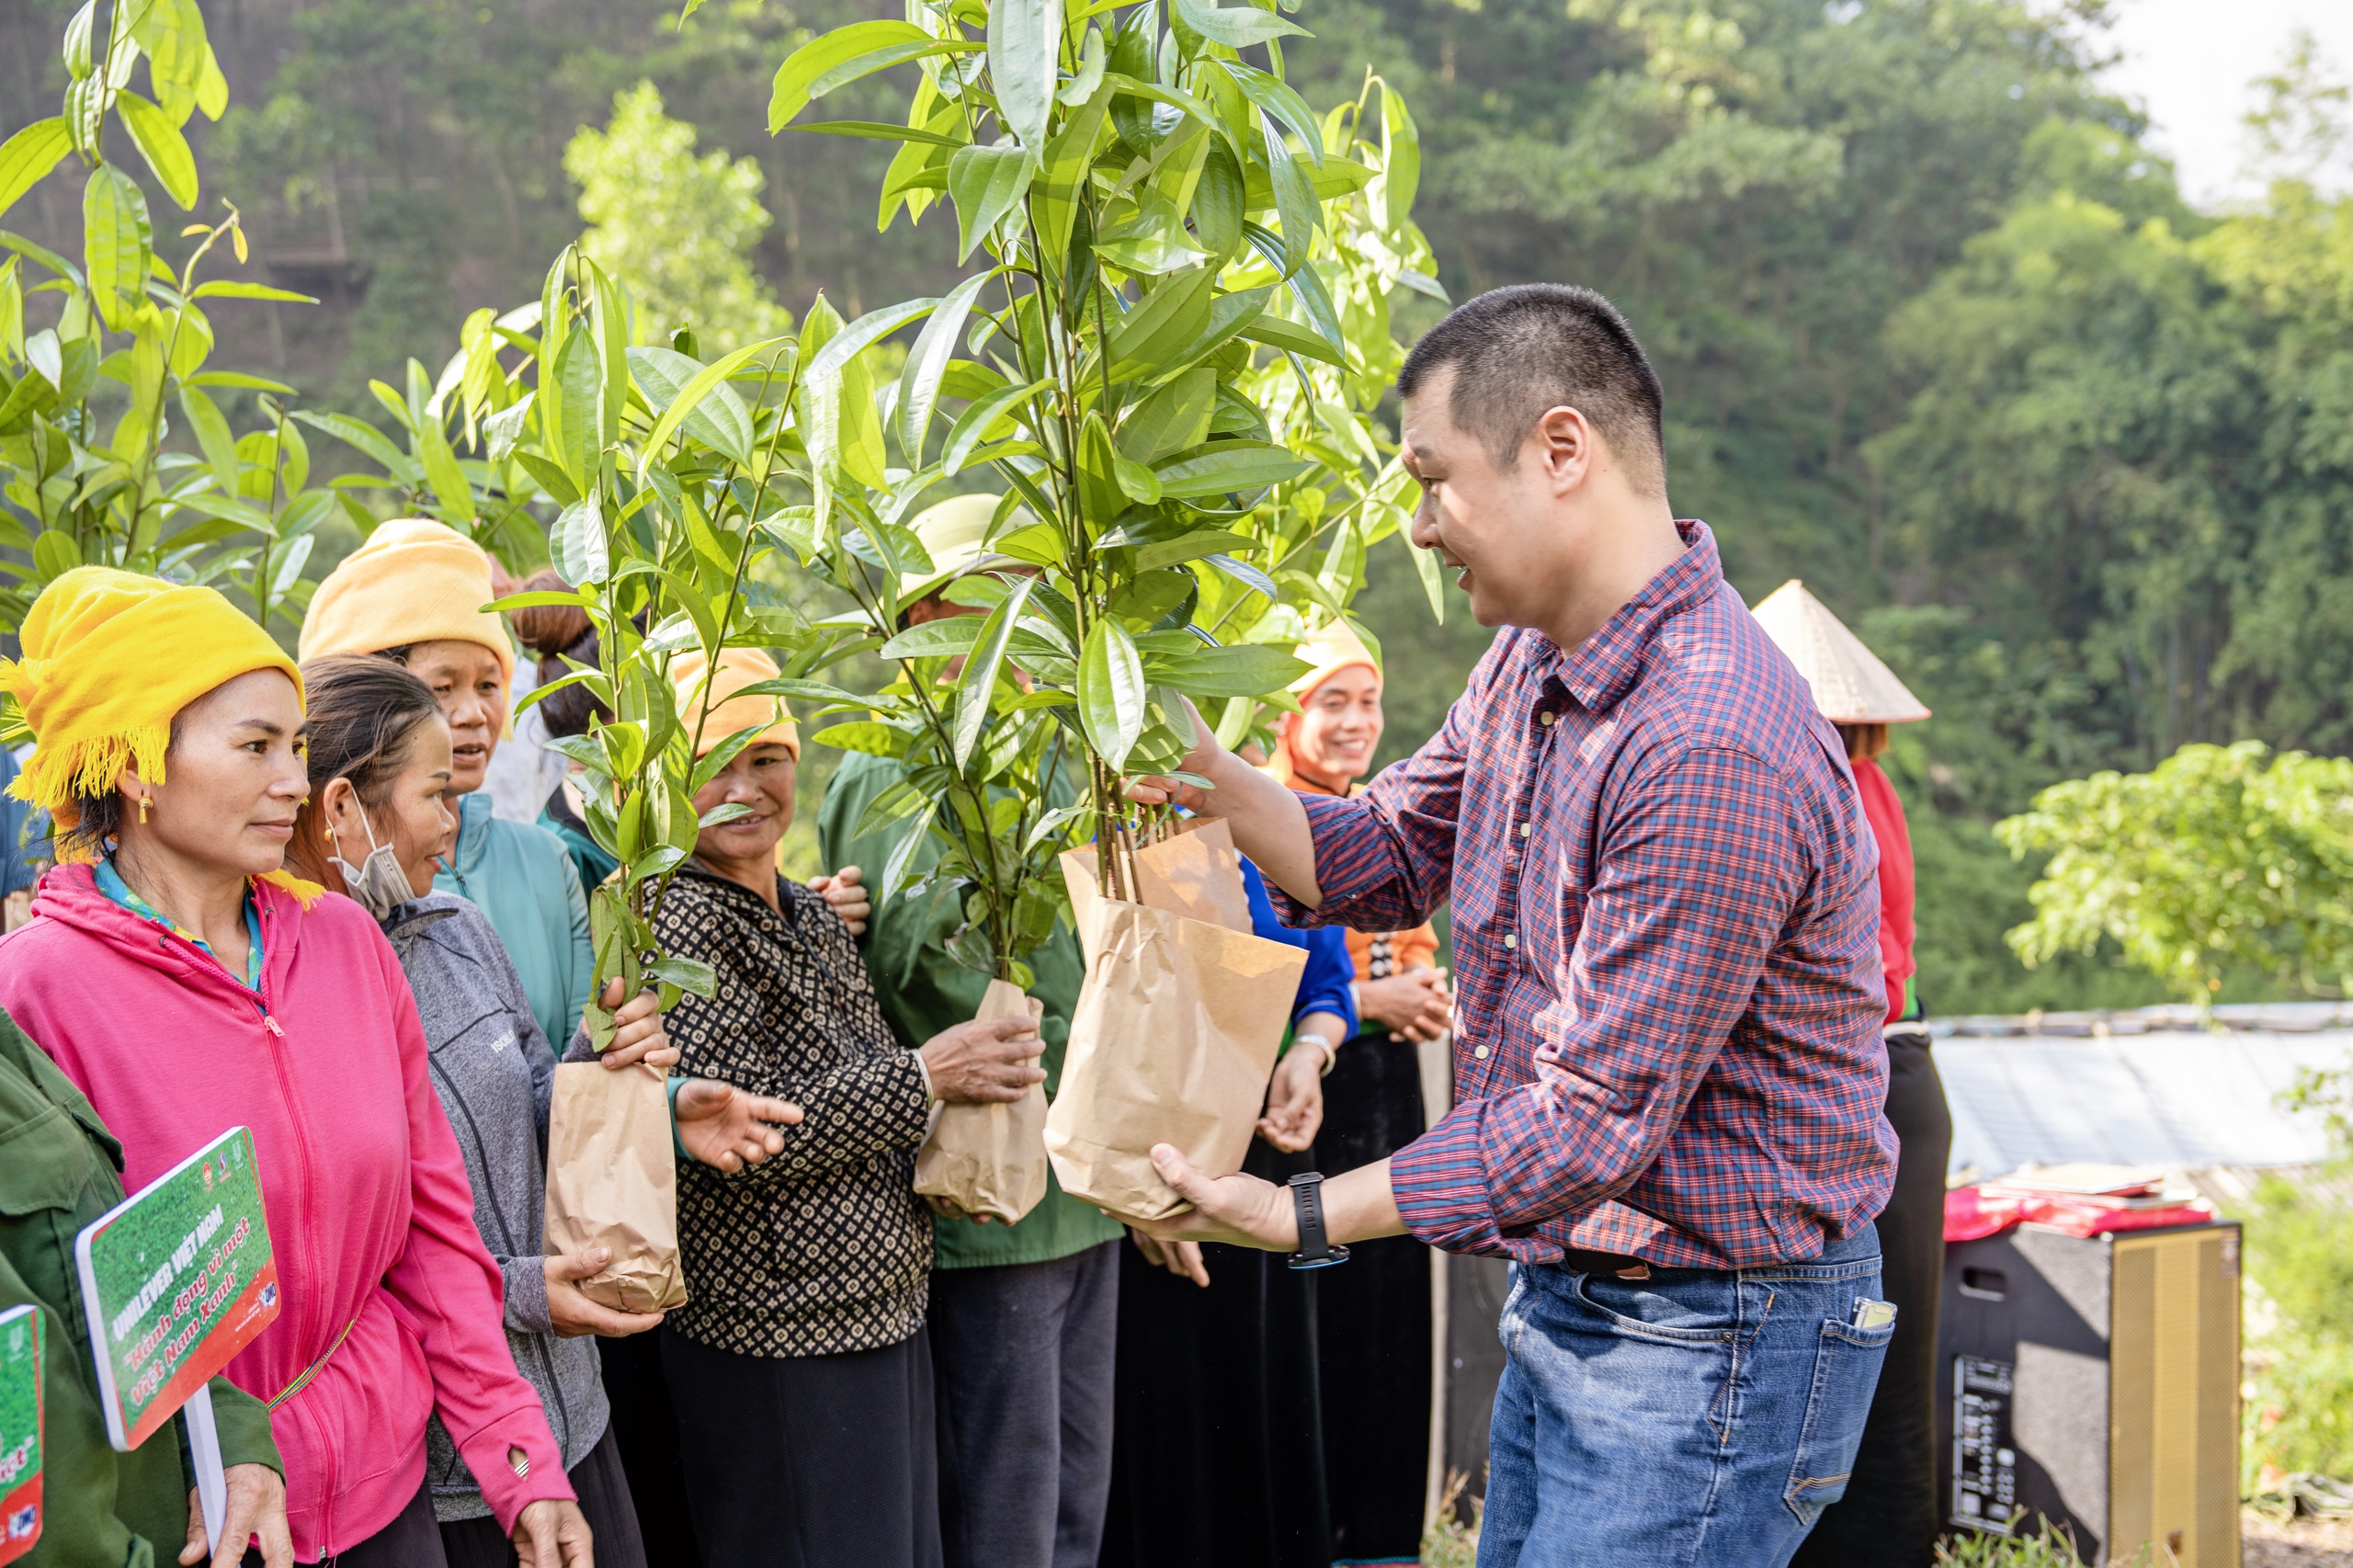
[
  {"x": 613, "y": 1182},
  {"x": 1177, "y": 1029},
  {"x": 990, "y": 1159}
]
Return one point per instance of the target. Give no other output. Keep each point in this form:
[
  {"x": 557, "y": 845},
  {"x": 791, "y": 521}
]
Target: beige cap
[
  {"x": 951, "y": 534},
  {"x": 1850, "y": 685}
]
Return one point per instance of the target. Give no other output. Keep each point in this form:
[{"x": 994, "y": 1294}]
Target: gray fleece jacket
[{"x": 495, "y": 1074}]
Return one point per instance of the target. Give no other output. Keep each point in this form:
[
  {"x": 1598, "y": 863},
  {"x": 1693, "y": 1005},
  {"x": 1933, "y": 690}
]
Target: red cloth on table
[
  {"x": 1972, "y": 1212},
  {"x": 1885, "y": 814}
]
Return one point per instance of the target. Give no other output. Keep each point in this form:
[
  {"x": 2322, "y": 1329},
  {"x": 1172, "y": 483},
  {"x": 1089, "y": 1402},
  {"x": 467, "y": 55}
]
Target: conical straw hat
[{"x": 1850, "y": 685}]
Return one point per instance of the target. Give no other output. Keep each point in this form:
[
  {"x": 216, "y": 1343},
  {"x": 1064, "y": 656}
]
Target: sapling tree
[
  {"x": 1170, "y": 358},
  {"x": 88, "y": 401}
]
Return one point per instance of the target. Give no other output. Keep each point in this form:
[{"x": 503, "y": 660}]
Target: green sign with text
[
  {"x": 176, "y": 1280},
  {"x": 20, "y": 1431}
]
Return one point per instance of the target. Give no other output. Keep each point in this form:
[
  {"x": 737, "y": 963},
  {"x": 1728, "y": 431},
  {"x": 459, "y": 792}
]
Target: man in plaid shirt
[{"x": 1669, "y": 1071}]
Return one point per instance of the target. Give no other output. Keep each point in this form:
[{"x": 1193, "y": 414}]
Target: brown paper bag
[
  {"x": 1177, "y": 1029},
  {"x": 613, "y": 1182},
  {"x": 989, "y": 1159}
]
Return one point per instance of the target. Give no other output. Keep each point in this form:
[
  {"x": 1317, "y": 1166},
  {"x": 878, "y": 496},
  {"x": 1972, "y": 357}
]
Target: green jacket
[
  {"x": 923, "y": 991},
  {"x": 60, "y": 1169}
]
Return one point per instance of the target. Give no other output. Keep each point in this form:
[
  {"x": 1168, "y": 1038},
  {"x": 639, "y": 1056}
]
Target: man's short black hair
[{"x": 1518, "y": 351}]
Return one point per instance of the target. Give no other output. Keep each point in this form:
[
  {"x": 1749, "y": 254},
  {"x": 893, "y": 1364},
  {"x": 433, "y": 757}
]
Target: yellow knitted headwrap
[
  {"x": 109, "y": 658},
  {"x": 413, "y": 581},
  {"x": 731, "y": 714}
]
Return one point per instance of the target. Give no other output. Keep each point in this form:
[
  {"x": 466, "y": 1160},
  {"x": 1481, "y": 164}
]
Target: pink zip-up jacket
[{"x": 370, "y": 1213}]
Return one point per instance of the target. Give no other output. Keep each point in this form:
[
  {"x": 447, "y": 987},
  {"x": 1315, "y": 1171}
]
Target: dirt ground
[{"x": 2306, "y": 1544}]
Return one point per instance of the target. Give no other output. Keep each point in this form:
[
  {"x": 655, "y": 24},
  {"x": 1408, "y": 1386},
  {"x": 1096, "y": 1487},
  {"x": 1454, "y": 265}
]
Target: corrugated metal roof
[{"x": 2161, "y": 1095}]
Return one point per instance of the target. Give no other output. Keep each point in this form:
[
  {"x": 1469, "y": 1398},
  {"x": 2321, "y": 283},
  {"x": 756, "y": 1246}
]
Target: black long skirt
[
  {"x": 1217, "y": 1443},
  {"x": 1374, "y": 1320}
]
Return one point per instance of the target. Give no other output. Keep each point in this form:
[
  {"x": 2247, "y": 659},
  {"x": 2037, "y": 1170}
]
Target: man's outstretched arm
[
  {"x": 1270, "y": 824},
  {"x": 1245, "y": 1211}
]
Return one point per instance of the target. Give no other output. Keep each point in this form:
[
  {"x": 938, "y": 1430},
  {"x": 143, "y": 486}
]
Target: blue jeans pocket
[{"x": 1846, "y": 1370}]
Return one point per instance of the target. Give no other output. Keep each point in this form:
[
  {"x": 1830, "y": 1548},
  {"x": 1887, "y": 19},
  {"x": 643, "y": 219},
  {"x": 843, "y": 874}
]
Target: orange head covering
[
  {"x": 1328, "y": 650},
  {"x": 731, "y": 714},
  {"x": 109, "y": 658},
  {"x": 412, "y": 581}
]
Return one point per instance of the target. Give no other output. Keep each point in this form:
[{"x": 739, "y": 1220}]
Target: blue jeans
[{"x": 1695, "y": 1419}]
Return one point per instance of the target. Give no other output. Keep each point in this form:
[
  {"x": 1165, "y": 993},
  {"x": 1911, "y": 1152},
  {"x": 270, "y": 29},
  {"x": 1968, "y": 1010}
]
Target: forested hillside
[{"x": 1937, "y": 332}]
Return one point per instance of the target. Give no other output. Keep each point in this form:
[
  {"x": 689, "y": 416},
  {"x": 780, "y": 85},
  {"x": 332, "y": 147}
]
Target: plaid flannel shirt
[{"x": 1665, "y": 937}]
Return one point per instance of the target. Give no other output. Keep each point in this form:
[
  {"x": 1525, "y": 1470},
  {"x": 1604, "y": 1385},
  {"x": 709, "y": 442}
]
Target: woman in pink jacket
[{"x": 189, "y": 985}]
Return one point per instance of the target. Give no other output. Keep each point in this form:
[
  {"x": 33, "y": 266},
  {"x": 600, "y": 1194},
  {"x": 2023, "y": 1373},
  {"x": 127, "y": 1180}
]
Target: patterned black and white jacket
[{"x": 825, "y": 1248}]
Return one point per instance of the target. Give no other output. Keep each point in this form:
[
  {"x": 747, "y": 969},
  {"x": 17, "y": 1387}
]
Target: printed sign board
[
  {"x": 176, "y": 1280},
  {"x": 20, "y": 1431}
]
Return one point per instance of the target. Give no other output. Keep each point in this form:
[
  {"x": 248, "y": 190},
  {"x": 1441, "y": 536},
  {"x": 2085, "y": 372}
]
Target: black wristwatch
[{"x": 1316, "y": 1248}]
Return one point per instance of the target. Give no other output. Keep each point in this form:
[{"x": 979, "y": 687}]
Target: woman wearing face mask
[
  {"x": 1372, "y": 1317},
  {"x": 379, "y": 771},
  {"x": 801, "y": 1375},
  {"x": 186, "y": 984},
  {"x": 413, "y": 592}
]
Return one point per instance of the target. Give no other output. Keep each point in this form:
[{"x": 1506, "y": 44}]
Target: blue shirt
[{"x": 1324, "y": 988}]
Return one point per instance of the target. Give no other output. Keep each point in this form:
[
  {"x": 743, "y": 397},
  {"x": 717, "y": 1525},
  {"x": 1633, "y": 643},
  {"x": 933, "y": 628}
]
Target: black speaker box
[{"x": 2094, "y": 1382}]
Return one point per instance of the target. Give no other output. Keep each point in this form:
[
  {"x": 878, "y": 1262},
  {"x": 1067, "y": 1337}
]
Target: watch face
[{"x": 1336, "y": 1256}]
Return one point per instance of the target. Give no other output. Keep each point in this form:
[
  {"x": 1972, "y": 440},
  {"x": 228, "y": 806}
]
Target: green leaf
[
  {"x": 1111, "y": 692},
  {"x": 161, "y": 143},
  {"x": 368, "y": 440},
  {"x": 919, "y": 383},
  {"x": 55, "y": 553},
  {"x": 947, "y": 638},
  {"x": 1292, "y": 337},
  {"x": 1025, "y": 44},
  {"x": 1246, "y": 669},
  {"x": 1391, "y": 195},
  {"x": 698, "y": 387},
  {"x": 879, "y": 131},
  {"x": 1059, "y": 189},
  {"x": 115, "y": 243},
  {"x": 894, "y": 870},
  {"x": 27, "y": 157},
  {"x": 1236, "y": 465},
  {"x": 858, "y": 336},
  {"x": 1237, "y": 26},
  {"x": 719, "y": 419},
  {"x": 1275, "y": 95},
  {"x": 1190, "y": 547},
  {"x": 240, "y": 380},
  {"x": 230, "y": 289},
  {"x": 1094, "y": 58},
  {"x": 1295, "y": 204},
  {"x": 1426, "y": 566},
  {"x": 212, "y": 435},
  {"x": 442, "y": 473},
  {"x": 1151, "y": 242},
  {"x": 687, "y": 975},
  {"x": 577, "y": 542},
  {"x": 985, "y": 182},
  {"x": 1173, "y": 419},
  {"x": 865, "y": 735},
  {"x": 981, "y": 669},
  {"x": 1170, "y": 315},
  {"x": 580, "y": 388},
  {"x": 973, "y": 425},
  {"x": 843, "y": 55}
]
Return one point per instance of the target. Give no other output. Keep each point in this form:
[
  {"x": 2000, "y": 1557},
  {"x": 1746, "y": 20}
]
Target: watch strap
[{"x": 1316, "y": 1248}]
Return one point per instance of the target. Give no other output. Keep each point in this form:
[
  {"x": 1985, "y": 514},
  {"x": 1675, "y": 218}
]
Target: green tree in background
[
  {"x": 673, "y": 229},
  {"x": 2220, "y": 858}
]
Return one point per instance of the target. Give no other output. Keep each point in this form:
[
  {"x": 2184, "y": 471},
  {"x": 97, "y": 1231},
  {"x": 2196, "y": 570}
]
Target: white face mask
[{"x": 379, "y": 885}]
